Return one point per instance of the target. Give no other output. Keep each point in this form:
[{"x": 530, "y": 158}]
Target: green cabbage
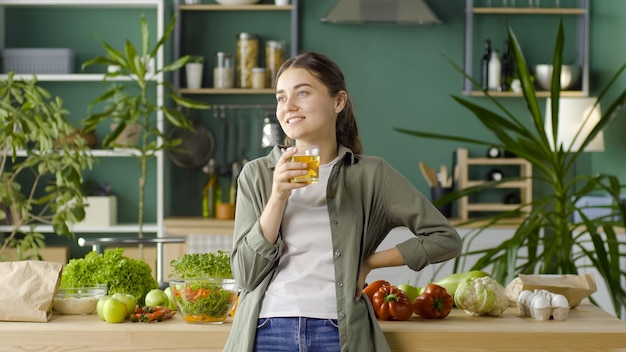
[{"x": 481, "y": 296}]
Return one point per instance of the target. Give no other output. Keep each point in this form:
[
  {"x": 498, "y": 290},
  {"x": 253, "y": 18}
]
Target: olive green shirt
[{"x": 366, "y": 199}]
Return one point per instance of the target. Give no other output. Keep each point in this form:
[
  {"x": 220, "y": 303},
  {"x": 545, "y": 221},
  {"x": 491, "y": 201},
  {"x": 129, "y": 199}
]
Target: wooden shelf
[
  {"x": 212, "y": 7},
  {"x": 581, "y": 14},
  {"x": 540, "y": 94},
  {"x": 528, "y": 11},
  {"x": 464, "y": 162},
  {"x": 227, "y": 91}
]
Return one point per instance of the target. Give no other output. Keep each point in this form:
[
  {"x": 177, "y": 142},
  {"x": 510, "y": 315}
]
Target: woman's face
[{"x": 305, "y": 109}]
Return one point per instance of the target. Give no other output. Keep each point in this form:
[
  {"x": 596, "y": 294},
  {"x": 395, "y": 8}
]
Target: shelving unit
[
  {"x": 581, "y": 11},
  {"x": 464, "y": 180},
  {"x": 205, "y": 29},
  {"x": 70, "y": 81},
  {"x": 182, "y": 10}
]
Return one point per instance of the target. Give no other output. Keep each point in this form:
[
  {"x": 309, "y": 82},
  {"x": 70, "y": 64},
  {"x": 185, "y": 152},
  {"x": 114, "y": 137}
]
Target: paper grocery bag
[{"x": 28, "y": 289}]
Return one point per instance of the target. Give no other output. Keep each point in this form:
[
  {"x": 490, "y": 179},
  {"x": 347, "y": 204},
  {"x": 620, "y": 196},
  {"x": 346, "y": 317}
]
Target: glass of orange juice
[{"x": 311, "y": 156}]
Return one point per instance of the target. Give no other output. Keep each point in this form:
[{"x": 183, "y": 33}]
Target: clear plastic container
[
  {"x": 247, "y": 58},
  {"x": 223, "y": 72},
  {"x": 274, "y": 58}
]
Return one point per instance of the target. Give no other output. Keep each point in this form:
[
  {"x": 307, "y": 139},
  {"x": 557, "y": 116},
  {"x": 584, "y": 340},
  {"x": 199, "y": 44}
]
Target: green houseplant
[
  {"x": 547, "y": 241},
  {"x": 133, "y": 104},
  {"x": 41, "y": 163}
]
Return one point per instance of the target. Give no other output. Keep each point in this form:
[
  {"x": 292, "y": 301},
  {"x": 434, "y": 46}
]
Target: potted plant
[
  {"x": 41, "y": 163},
  {"x": 547, "y": 241},
  {"x": 132, "y": 104},
  {"x": 194, "y": 69}
]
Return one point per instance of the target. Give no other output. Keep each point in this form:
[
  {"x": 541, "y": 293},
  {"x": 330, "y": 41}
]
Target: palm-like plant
[
  {"x": 548, "y": 241},
  {"x": 41, "y": 163},
  {"x": 139, "y": 107}
]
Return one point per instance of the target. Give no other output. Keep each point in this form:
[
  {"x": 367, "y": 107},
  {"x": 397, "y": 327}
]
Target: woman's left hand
[{"x": 360, "y": 284}]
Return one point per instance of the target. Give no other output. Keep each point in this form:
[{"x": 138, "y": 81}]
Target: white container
[
  {"x": 193, "y": 72},
  {"x": 258, "y": 78},
  {"x": 495, "y": 72},
  {"x": 38, "y": 60},
  {"x": 281, "y": 2},
  {"x": 100, "y": 211}
]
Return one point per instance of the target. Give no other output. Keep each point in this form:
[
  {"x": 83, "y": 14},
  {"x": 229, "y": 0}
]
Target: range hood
[{"x": 382, "y": 11}]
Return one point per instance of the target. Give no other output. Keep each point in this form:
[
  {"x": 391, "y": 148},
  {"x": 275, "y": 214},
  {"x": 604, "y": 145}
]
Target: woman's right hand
[{"x": 284, "y": 171}]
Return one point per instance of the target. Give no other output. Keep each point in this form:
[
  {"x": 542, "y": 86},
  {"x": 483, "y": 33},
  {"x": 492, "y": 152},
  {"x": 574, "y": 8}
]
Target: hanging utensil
[
  {"x": 223, "y": 170},
  {"x": 196, "y": 146},
  {"x": 430, "y": 175},
  {"x": 272, "y": 132}
]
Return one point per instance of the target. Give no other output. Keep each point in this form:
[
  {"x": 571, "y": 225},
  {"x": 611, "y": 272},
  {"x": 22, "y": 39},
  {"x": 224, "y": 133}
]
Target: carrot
[{"x": 149, "y": 314}]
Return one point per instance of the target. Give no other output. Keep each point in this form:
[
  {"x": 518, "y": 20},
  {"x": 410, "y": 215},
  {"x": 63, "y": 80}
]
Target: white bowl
[
  {"x": 236, "y": 2},
  {"x": 569, "y": 76}
]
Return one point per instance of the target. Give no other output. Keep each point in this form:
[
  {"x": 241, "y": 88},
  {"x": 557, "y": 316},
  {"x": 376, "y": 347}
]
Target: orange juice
[{"x": 313, "y": 167}]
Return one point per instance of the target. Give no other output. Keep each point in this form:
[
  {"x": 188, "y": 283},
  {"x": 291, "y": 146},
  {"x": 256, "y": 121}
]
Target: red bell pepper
[
  {"x": 391, "y": 303},
  {"x": 372, "y": 287},
  {"x": 434, "y": 303}
]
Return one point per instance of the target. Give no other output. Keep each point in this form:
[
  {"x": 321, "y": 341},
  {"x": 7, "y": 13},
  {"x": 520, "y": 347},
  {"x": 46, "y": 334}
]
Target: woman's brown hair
[{"x": 320, "y": 66}]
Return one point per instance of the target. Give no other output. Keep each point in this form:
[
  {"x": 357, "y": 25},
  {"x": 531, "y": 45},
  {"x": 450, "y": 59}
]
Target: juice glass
[{"x": 311, "y": 156}]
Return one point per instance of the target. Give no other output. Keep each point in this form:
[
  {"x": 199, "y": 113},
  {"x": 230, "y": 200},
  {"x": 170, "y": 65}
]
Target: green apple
[
  {"x": 156, "y": 297},
  {"x": 170, "y": 298},
  {"x": 128, "y": 299},
  {"x": 114, "y": 310},
  {"x": 100, "y": 304},
  {"x": 410, "y": 291}
]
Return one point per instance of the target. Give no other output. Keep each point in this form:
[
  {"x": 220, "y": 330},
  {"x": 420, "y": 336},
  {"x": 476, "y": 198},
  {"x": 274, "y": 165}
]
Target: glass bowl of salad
[{"x": 204, "y": 300}]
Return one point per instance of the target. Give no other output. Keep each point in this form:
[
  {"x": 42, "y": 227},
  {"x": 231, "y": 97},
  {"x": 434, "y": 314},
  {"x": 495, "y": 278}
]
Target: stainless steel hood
[{"x": 382, "y": 11}]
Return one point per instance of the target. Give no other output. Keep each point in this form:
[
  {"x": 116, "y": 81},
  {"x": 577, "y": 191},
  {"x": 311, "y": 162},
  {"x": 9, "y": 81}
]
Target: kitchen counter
[{"x": 587, "y": 328}]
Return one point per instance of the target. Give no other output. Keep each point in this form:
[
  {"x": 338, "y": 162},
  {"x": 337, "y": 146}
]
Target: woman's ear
[{"x": 340, "y": 101}]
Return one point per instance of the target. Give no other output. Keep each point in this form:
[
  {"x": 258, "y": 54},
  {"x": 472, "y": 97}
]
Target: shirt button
[
  {"x": 341, "y": 315},
  {"x": 337, "y": 254},
  {"x": 334, "y": 222},
  {"x": 340, "y": 284}
]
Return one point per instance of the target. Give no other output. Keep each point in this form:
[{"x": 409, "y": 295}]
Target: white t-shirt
[{"x": 304, "y": 282}]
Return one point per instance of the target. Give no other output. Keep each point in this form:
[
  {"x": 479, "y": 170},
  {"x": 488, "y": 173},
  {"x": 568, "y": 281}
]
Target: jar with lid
[
  {"x": 274, "y": 58},
  {"x": 258, "y": 77},
  {"x": 247, "y": 58},
  {"x": 223, "y": 72}
]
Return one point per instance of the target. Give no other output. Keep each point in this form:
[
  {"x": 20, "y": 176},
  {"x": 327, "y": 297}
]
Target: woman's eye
[
  {"x": 280, "y": 99},
  {"x": 302, "y": 93}
]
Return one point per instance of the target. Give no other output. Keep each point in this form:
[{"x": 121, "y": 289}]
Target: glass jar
[
  {"x": 247, "y": 58},
  {"x": 224, "y": 72},
  {"x": 258, "y": 77},
  {"x": 274, "y": 58}
]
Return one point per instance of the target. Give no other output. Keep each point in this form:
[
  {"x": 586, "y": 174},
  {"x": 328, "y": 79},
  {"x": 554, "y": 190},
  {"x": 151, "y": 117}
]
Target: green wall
[{"x": 398, "y": 76}]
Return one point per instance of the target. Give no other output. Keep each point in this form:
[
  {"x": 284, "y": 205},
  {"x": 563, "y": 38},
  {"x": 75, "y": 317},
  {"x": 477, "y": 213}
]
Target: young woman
[{"x": 301, "y": 252}]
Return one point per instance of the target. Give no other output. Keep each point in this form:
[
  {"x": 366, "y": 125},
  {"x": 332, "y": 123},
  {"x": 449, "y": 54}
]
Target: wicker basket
[{"x": 38, "y": 60}]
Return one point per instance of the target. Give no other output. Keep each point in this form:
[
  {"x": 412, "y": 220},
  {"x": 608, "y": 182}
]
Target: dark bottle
[
  {"x": 484, "y": 66},
  {"x": 507, "y": 67},
  {"x": 495, "y": 175},
  {"x": 211, "y": 191}
]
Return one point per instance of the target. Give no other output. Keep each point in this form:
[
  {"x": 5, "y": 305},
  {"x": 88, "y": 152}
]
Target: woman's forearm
[{"x": 271, "y": 218}]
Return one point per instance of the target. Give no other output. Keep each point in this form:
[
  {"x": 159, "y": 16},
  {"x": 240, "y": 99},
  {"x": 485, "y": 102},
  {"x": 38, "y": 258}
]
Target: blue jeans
[{"x": 296, "y": 334}]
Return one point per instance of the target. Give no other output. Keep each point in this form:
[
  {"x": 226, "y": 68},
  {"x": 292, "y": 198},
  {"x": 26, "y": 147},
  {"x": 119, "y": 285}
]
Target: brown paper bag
[
  {"x": 573, "y": 287},
  {"x": 28, "y": 290}
]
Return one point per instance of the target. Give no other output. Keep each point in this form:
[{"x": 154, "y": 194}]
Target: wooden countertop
[{"x": 587, "y": 328}]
